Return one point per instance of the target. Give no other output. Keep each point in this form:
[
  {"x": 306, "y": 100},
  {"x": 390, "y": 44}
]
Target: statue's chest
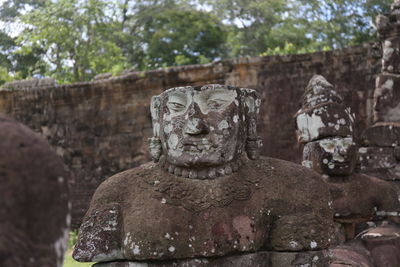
[{"x": 179, "y": 221}]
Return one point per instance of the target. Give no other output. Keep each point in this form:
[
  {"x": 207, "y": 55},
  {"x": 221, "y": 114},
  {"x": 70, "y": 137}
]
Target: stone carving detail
[
  {"x": 199, "y": 197},
  {"x": 31, "y": 84},
  {"x": 225, "y": 116},
  {"x": 380, "y": 142},
  {"x": 208, "y": 194},
  {"x": 326, "y": 129}
]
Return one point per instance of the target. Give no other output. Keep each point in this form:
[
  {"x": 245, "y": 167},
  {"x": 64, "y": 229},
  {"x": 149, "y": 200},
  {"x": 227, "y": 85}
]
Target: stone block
[
  {"x": 391, "y": 55},
  {"x": 394, "y": 173},
  {"x": 383, "y": 242},
  {"x": 387, "y": 98},
  {"x": 350, "y": 255},
  {"x": 260, "y": 259},
  {"x": 382, "y": 135},
  {"x": 374, "y": 159},
  {"x": 388, "y": 25},
  {"x": 359, "y": 197}
]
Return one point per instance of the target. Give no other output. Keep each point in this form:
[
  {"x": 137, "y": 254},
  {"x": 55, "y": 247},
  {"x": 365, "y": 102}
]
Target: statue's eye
[
  {"x": 215, "y": 103},
  {"x": 175, "y": 106}
]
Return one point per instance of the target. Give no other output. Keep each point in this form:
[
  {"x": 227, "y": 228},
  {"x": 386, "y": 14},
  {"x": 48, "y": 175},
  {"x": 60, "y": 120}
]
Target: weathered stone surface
[
  {"x": 259, "y": 259},
  {"x": 319, "y": 91},
  {"x": 382, "y": 134},
  {"x": 387, "y": 98},
  {"x": 324, "y": 120},
  {"x": 331, "y": 156},
  {"x": 34, "y": 214},
  {"x": 193, "y": 218},
  {"x": 391, "y": 55},
  {"x": 373, "y": 159},
  {"x": 30, "y": 84},
  {"x": 101, "y": 128},
  {"x": 106, "y": 237},
  {"x": 352, "y": 255},
  {"x": 208, "y": 194},
  {"x": 383, "y": 243},
  {"x": 361, "y": 196},
  {"x": 322, "y": 114},
  {"x": 325, "y": 125},
  {"x": 388, "y": 25}
]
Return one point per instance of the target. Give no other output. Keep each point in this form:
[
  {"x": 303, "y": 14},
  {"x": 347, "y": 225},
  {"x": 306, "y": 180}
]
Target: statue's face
[
  {"x": 331, "y": 156},
  {"x": 201, "y": 127}
]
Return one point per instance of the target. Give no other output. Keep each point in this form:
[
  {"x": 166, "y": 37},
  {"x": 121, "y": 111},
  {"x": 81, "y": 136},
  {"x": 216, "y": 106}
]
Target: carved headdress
[{"x": 322, "y": 114}]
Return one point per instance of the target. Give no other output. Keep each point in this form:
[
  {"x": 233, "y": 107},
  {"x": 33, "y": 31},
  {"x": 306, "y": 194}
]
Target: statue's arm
[
  {"x": 301, "y": 232},
  {"x": 100, "y": 232}
]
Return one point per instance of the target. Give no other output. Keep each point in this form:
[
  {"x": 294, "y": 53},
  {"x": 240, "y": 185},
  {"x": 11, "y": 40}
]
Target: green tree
[
  {"x": 340, "y": 23},
  {"x": 21, "y": 66},
  {"x": 170, "y": 32},
  {"x": 252, "y": 24},
  {"x": 179, "y": 37},
  {"x": 276, "y": 26},
  {"x": 79, "y": 38}
]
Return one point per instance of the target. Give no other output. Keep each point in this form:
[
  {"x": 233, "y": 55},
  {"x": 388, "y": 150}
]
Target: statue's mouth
[
  {"x": 341, "y": 164},
  {"x": 199, "y": 145}
]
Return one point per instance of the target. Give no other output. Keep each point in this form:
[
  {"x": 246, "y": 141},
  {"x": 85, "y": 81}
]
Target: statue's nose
[
  {"x": 196, "y": 126},
  {"x": 342, "y": 151}
]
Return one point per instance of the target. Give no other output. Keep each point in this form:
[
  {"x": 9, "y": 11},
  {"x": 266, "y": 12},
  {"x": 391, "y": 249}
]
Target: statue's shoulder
[
  {"x": 115, "y": 187},
  {"x": 287, "y": 183},
  {"x": 272, "y": 169},
  {"x": 102, "y": 227}
]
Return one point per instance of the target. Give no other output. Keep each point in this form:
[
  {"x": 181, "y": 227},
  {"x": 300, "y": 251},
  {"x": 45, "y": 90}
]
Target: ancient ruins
[
  {"x": 362, "y": 204},
  {"x": 100, "y": 128},
  {"x": 224, "y": 188},
  {"x": 209, "y": 194}
]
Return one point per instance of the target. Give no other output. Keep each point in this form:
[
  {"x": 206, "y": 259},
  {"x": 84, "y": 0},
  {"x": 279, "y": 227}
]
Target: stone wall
[{"x": 101, "y": 127}]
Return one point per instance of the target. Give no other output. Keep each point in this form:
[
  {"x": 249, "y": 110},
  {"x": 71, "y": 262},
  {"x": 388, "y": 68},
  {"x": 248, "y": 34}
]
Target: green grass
[{"x": 68, "y": 260}]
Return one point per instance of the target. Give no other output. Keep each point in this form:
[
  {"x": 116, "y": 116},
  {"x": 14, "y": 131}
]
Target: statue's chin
[
  {"x": 198, "y": 160},
  {"x": 340, "y": 169}
]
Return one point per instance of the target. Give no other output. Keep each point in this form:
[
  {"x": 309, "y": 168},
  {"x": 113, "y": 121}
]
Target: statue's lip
[
  {"x": 196, "y": 142},
  {"x": 196, "y": 145}
]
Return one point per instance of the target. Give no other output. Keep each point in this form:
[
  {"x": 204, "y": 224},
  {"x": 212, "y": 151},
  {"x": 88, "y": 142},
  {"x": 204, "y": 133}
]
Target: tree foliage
[
  {"x": 167, "y": 39},
  {"x": 78, "y": 37},
  {"x": 73, "y": 40}
]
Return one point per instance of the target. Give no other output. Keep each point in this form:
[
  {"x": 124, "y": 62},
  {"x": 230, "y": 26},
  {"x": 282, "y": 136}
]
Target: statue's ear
[
  {"x": 251, "y": 102},
  {"x": 155, "y": 114},
  {"x": 155, "y": 142}
]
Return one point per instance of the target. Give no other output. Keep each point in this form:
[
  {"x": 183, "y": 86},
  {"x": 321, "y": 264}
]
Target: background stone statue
[
  {"x": 34, "y": 212},
  {"x": 208, "y": 195},
  {"x": 325, "y": 127}
]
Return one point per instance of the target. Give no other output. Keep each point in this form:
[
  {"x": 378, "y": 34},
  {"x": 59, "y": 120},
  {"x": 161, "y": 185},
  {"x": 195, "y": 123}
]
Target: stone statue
[
  {"x": 35, "y": 212},
  {"x": 325, "y": 126},
  {"x": 208, "y": 195}
]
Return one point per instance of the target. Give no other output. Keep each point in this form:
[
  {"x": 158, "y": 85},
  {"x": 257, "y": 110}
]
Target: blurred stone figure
[
  {"x": 209, "y": 200},
  {"x": 34, "y": 209},
  {"x": 325, "y": 127}
]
